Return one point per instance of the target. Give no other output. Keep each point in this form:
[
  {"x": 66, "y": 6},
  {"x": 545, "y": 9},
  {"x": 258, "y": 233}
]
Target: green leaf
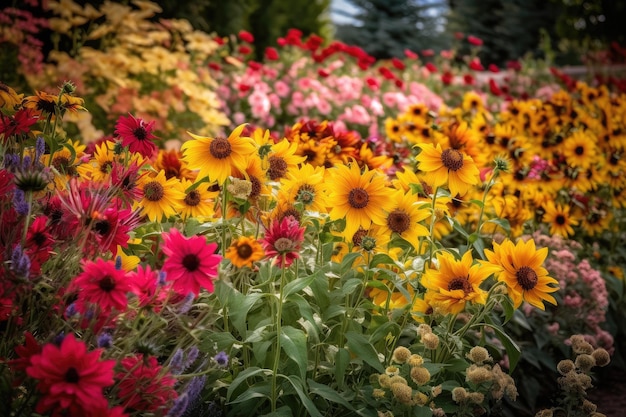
[
  {"x": 298, "y": 284},
  {"x": 239, "y": 307},
  {"x": 511, "y": 347},
  {"x": 293, "y": 342},
  {"x": 479, "y": 245},
  {"x": 458, "y": 227},
  {"x": 348, "y": 260},
  {"x": 241, "y": 378},
  {"x": 503, "y": 223},
  {"x": 383, "y": 331},
  {"x": 297, "y": 384},
  {"x": 422, "y": 411},
  {"x": 479, "y": 203},
  {"x": 382, "y": 258},
  {"x": 283, "y": 411},
  {"x": 328, "y": 393},
  {"x": 342, "y": 360},
  {"x": 351, "y": 285},
  {"x": 360, "y": 347}
]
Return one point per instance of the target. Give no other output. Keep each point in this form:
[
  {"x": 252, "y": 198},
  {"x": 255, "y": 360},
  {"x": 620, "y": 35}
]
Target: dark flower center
[
  {"x": 560, "y": 220},
  {"x": 102, "y": 227},
  {"x": 460, "y": 283},
  {"x": 357, "y": 238},
  {"x": 527, "y": 278},
  {"x": 256, "y": 187},
  {"x": 4, "y": 87},
  {"x": 306, "y": 194},
  {"x": 398, "y": 221},
  {"x": 579, "y": 150},
  {"x": 291, "y": 212},
  {"x": 310, "y": 155},
  {"x": 71, "y": 375},
  {"x": 278, "y": 167},
  {"x": 107, "y": 284},
  {"x": 153, "y": 191},
  {"x": 39, "y": 238},
  {"x": 191, "y": 262},
  {"x": 220, "y": 148},
  {"x": 45, "y": 105},
  {"x": 105, "y": 168},
  {"x": 452, "y": 159},
  {"x": 358, "y": 198},
  {"x": 192, "y": 198},
  {"x": 140, "y": 133},
  {"x": 244, "y": 251}
]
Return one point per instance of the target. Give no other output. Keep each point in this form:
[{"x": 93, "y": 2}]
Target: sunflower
[
  {"x": 244, "y": 251},
  {"x": 559, "y": 219},
  {"x": 160, "y": 197},
  {"x": 579, "y": 149},
  {"x": 304, "y": 186},
  {"x": 360, "y": 198},
  {"x": 172, "y": 163},
  {"x": 393, "y": 130},
  {"x": 253, "y": 172},
  {"x": 404, "y": 218},
  {"x": 198, "y": 201},
  {"x": 519, "y": 266},
  {"x": 372, "y": 239},
  {"x": 282, "y": 158},
  {"x": 64, "y": 162},
  {"x": 447, "y": 166},
  {"x": 218, "y": 157},
  {"x": 98, "y": 169},
  {"x": 313, "y": 151},
  {"x": 472, "y": 102},
  {"x": 9, "y": 99},
  {"x": 454, "y": 283}
]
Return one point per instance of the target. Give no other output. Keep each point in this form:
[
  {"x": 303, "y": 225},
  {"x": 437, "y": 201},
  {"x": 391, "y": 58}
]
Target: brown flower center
[
  {"x": 278, "y": 167},
  {"x": 358, "y": 198},
  {"x": 102, "y": 227},
  {"x": 560, "y": 220},
  {"x": 398, "y": 221},
  {"x": 460, "y": 283},
  {"x": 191, "y": 262},
  {"x": 256, "y": 187},
  {"x": 244, "y": 251},
  {"x": 357, "y": 238},
  {"x": 579, "y": 150},
  {"x": 105, "y": 168},
  {"x": 71, "y": 375},
  {"x": 220, "y": 148},
  {"x": 283, "y": 244},
  {"x": 452, "y": 159},
  {"x": 192, "y": 198},
  {"x": 107, "y": 284},
  {"x": 527, "y": 277},
  {"x": 153, "y": 191}
]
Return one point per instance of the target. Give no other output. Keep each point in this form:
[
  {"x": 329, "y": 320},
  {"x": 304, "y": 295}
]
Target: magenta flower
[
  {"x": 103, "y": 285},
  {"x": 283, "y": 240},
  {"x": 136, "y": 134},
  {"x": 191, "y": 263}
]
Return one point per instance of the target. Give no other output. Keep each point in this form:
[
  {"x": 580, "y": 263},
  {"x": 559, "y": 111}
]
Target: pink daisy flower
[
  {"x": 283, "y": 240},
  {"x": 70, "y": 377},
  {"x": 145, "y": 284},
  {"x": 103, "y": 285},
  {"x": 191, "y": 263},
  {"x": 136, "y": 134}
]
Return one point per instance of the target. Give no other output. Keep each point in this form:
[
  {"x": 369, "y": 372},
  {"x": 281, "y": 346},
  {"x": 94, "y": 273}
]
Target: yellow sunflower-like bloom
[
  {"x": 160, "y": 197},
  {"x": 198, "y": 202},
  {"x": 360, "y": 198},
  {"x": 305, "y": 186},
  {"x": 559, "y": 219},
  {"x": 216, "y": 158},
  {"x": 9, "y": 99},
  {"x": 519, "y": 266},
  {"x": 449, "y": 166},
  {"x": 244, "y": 251},
  {"x": 405, "y": 216},
  {"x": 454, "y": 283}
]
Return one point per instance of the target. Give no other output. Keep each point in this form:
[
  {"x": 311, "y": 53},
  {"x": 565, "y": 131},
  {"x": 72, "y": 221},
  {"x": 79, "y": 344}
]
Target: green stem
[
  {"x": 490, "y": 184},
  {"x": 278, "y": 332},
  {"x": 433, "y": 220}
]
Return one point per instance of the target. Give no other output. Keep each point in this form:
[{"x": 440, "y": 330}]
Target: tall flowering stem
[{"x": 279, "y": 311}]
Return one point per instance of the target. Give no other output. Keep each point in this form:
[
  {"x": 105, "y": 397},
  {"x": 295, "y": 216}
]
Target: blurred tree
[{"x": 384, "y": 28}]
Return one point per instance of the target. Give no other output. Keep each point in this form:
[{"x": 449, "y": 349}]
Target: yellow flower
[
  {"x": 160, "y": 197},
  {"x": 282, "y": 158},
  {"x": 519, "y": 266},
  {"x": 9, "y": 99},
  {"x": 305, "y": 186},
  {"x": 197, "y": 202},
  {"x": 405, "y": 216},
  {"x": 580, "y": 149},
  {"x": 360, "y": 198},
  {"x": 244, "y": 251},
  {"x": 449, "y": 166},
  {"x": 454, "y": 283},
  {"x": 218, "y": 157},
  {"x": 98, "y": 169},
  {"x": 559, "y": 219}
]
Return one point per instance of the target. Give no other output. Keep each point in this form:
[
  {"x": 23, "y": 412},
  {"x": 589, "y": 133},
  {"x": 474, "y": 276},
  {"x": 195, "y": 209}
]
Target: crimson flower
[
  {"x": 143, "y": 386},
  {"x": 136, "y": 134},
  {"x": 19, "y": 123},
  {"x": 70, "y": 377},
  {"x": 473, "y": 40},
  {"x": 25, "y": 353},
  {"x": 271, "y": 54},
  {"x": 101, "y": 284},
  {"x": 283, "y": 240},
  {"x": 246, "y": 36},
  {"x": 191, "y": 263},
  {"x": 144, "y": 283}
]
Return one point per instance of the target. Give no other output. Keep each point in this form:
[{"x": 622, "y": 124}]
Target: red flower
[
  {"x": 215, "y": 66},
  {"x": 493, "y": 87},
  {"x": 431, "y": 67},
  {"x": 136, "y": 134},
  {"x": 386, "y": 72},
  {"x": 459, "y": 35},
  {"x": 398, "y": 64},
  {"x": 447, "y": 78},
  {"x": 514, "y": 65},
  {"x": 191, "y": 263},
  {"x": 493, "y": 68},
  {"x": 468, "y": 79},
  {"x": 410, "y": 54},
  {"x": 246, "y": 36},
  {"x": 476, "y": 65},
  {"x": 25, "y": 353},
  {"x": 144, "y": 386},
  {"x": 323, "y": 72},
  {"x": 473, "y": 40},
  {"x": 244, "y": 50},
  {"x": 372, "y": 83},
  {"x": 255, "y": 66},
  {"x": 428, "y": 52},
  {"x": 313, "y": 42},
  {"x": 38, "y": 243},
  {"x": 283, "y": 240},
  {"x": 101, "y": 284},
  {"x": 271, "y": 54},
  {"x": 19, "y": 123},
  {"x": 70, "y": 377},
  {"x": 144, "y": 283}
]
